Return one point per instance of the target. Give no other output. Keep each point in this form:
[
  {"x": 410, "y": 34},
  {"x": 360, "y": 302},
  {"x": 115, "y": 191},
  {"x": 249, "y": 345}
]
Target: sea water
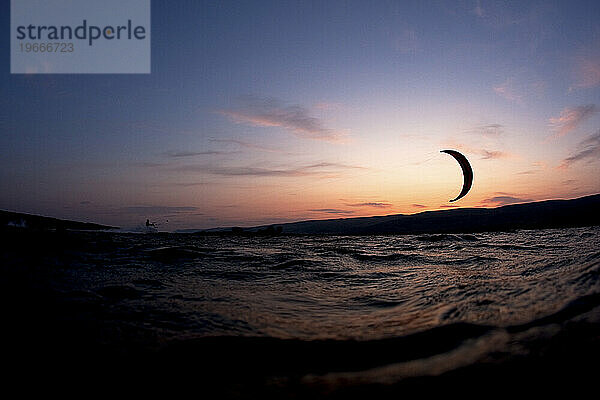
[{"x": 312, "y": 314}]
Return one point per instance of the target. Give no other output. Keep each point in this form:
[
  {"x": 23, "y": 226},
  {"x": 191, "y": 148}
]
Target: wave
[
  {"x": 170, "y": 254},
  {"x": 370, "y": 301},
  {"x": 388, "y": 257},
  {"x": 572, "y": 309},
  {"x": 319, "y": 356},
  {"x": 446, "y": 238},
  {"x": 467, "y": 261},
  {"x": 296, "y": 264}
]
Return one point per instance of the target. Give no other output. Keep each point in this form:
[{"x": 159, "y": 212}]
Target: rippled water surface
[
  {"x": 337, "y": 287},
  {"x": 494, "y": 293}
]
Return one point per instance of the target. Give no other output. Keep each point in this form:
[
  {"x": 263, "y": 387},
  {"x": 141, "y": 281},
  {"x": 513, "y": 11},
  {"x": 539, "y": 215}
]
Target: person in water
[{"x": 148, "y": 223}]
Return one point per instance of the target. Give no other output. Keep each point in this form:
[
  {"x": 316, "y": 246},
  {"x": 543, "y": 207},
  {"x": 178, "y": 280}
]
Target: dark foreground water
[{"x": 307, "y": 316}]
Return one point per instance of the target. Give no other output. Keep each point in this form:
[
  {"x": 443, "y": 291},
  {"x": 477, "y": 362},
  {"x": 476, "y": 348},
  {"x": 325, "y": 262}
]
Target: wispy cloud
[
  {"x": 269, "y": 112},
  {"x": 327, "y": 106},
  {"x": 371, "y": 204},
  {"x": 323, "y": 169},
  {"x": 182, "y": 154},
  {"x": 148, "y": 164},
  {"x": 589, "y": 150},
  {"x": 255, "y": 171},
  {"x": 191, "y": 184},
  {"x": 491, "y": 130},
  {"x": 415, "y": 205},
  {"x": 332, "y": 211},
  {"x": 486, "y": 154},
  {"x": 538, "y": 165},
  {"x": 503, "y": 200},
  {"x": 483, "y": 153},
  {"x": 158, "y": 210},
  {"x": 493, "y": 154},
  {"x": 520, "y": 88},
  {"x": 248, "y": 145},
  {"x": 570, "y": 118},
  {"x": 509, "y": 91}
]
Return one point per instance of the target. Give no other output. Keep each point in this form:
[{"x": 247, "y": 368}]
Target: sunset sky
[{"x": 270, "y": 112}]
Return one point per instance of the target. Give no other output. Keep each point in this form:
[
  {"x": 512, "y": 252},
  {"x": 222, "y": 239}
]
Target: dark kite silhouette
[{"x": 467, "y": 172}]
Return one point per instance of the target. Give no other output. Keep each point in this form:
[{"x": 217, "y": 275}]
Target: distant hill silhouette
[
  {"x": 10, "y": 219},
  {"x": 584, "y": 211}
]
